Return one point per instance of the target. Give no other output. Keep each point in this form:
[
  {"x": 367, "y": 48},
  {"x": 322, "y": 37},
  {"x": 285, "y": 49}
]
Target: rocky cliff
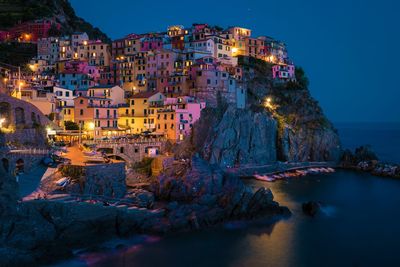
[{"x": 291, "y": 127}]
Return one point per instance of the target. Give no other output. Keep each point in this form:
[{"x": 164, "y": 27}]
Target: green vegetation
[
  {"x": 17, "y": 54},
  {"x": 144, "y": 166},
  {"x": 73, "y": 172},
  {"x": 14, "y": 11},
  {"x": 71, "y": 126}
]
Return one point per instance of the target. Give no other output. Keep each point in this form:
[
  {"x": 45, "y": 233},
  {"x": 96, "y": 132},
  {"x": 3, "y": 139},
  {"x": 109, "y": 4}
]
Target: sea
[{"x": 359, "y": 224}]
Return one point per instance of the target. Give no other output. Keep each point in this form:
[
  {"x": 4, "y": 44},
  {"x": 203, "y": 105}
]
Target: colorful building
[
  {"x": 96, "y": 53},
  {"x": 176, "y": 118},
  {"x": 283, "y": 72},
  {"x": 138, "y": 115}
]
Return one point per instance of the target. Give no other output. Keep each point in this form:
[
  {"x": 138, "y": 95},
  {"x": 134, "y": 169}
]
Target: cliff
[
  {"x": 14, "y": 11},
  {"x": 291, "y": 128}
]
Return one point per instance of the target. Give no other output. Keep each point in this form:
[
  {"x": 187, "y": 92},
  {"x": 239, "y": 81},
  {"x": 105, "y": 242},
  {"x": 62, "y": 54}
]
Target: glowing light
[
  {"x": 2, "y": 121},
  {"x": 85, "y": 42},
  {"x": 32, "y": 67},
  {"x": 91, "y": 126},
  {"x": 271, "y": 58},
  {"x": 21, "y": 83},
  {"x": 234, "y": 50}
]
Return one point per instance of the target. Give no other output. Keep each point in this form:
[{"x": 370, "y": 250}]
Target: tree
[
  {"x": 301, "y": 77},
  {"x": 71, "y": 126}
]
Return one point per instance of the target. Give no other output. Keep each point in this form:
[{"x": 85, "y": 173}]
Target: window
[{"x": 81, "y": 112}]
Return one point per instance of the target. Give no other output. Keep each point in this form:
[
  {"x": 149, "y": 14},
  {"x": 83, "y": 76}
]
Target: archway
[
  {"x": 33, "y": 118},
  {"x": 116, "y": 157},
  {"x": 6, "y": 164},
  {"x": 20, "y": 165}
]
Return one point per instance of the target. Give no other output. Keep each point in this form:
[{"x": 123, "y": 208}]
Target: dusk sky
[{"x": 349, "y": 49}]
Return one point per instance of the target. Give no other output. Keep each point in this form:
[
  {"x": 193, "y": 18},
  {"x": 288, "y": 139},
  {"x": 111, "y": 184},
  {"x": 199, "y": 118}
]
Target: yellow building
[
  {"x": 166, "y": 123},
  {"x": 66, "y": 114},
  {"x": 96, "y": 53},
  {"x": 139, "y": 113}
]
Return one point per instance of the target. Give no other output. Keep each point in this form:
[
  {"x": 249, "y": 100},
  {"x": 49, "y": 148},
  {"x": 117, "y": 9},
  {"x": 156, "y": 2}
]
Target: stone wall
[
  {"x": 20, "y": 113},
  {"x": 28, "y": 137},
  {"x": 8, "y": 161},
  {"x": 131, "y": 152},
  {"x": 99, "y": 179}
]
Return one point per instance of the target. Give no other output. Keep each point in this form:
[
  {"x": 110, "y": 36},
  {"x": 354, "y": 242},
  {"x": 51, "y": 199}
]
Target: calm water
[
  {"x": 383, "y": 137},
  {"x": 359, "y": 226}
]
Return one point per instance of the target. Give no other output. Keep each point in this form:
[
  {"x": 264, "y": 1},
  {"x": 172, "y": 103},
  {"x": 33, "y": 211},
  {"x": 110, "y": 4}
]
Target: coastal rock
[
  {"x": 207, "y": 188},
  {"x": 242, "y": 137}
]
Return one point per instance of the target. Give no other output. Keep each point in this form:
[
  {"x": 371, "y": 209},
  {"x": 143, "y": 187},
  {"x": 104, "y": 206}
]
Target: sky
[{"x": 350, "y": 49}]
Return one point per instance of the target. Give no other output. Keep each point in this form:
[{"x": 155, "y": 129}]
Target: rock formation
[{"x": 292, "y": 128}]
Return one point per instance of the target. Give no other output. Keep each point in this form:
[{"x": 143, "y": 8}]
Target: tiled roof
[{"x": 145, "y": 94}]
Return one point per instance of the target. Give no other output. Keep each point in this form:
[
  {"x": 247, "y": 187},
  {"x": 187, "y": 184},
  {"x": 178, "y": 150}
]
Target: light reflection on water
[{"x": 353, "y": 230}]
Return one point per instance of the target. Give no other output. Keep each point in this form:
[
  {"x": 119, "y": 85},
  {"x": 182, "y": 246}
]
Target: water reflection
[{"x": 359, "y": 227}]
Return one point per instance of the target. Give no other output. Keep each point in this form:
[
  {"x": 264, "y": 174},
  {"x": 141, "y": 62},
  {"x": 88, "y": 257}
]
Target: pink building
[
  {"x": 4, "y": 36},
  {"x": 175, "y": 120},
  {"x": 31, "y": 31},
  {"x": 152, "y": 42},
  {"x": 81, "y": 66},
  {"x": 283, "y": 72}
]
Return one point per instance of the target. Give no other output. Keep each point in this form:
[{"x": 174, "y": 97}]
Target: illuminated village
[
  {"x": 153, "y": 83},
  {"x": 197, "y": 144}
]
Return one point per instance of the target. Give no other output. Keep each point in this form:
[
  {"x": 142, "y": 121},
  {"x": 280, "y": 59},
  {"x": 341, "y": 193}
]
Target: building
[
  {"x": 32, "y": 31},
  {"x": 43, "y": 100},
  {"x": 75, "y": 80},
  {"x": 97, "y": 116},
  {"x": 283, "y": 72},
  {"x": 176, "y": 118},
  {"x": 138, "y": 115},
  {"x": 113, "y": 92},
  {"x": 96, "y": 53}
]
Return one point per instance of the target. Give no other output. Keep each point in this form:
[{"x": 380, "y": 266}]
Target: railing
[
  {"x": 32, "y": 151},
  {"x": 152, "y": 141}
]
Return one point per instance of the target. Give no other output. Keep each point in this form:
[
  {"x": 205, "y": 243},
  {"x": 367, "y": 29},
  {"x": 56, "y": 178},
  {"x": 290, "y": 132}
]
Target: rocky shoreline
[
  {"x": 365, "y": 160},
  {"x": 189, "y": 195}
]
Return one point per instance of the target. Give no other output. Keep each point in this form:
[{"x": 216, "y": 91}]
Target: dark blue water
[
  {"x": 383, "y": 137},
  {"x": 359, "y": 226}
]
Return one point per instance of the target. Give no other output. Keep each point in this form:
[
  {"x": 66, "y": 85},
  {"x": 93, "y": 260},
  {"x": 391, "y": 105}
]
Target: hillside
[{"x": 13, "y": 11}]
